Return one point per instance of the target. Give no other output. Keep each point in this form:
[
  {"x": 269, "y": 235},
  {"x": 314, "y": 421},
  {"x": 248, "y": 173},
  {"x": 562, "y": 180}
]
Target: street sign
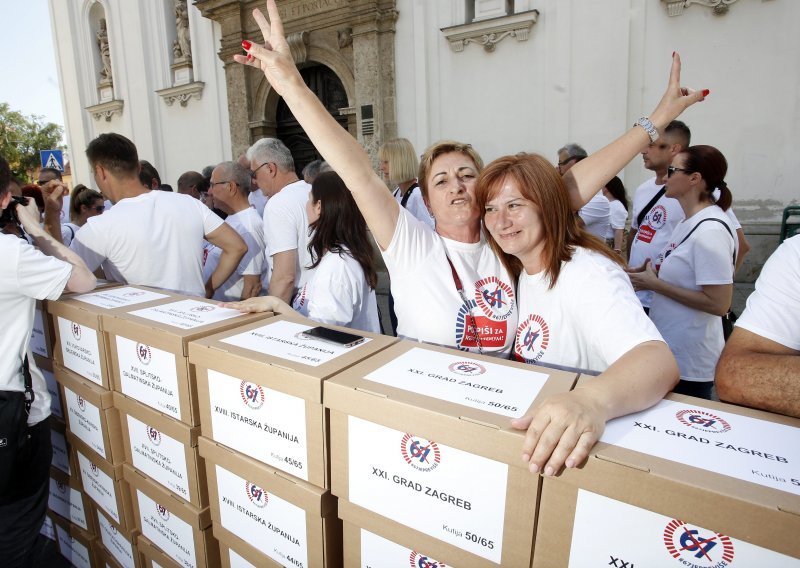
[{"x": 52, "y": 159}]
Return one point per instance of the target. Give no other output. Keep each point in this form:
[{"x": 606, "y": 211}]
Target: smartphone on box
[{"x": 334, "y": 336}]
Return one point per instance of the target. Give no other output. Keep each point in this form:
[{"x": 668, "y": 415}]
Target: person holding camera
[{"x": 27, "y": 274}]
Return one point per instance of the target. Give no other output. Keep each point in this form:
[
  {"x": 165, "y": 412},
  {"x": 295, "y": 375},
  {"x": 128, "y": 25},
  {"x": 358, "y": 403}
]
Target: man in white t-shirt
[
  {"x": 648, "y": 238},
  {"x": 47, "y": 175},
  {"x": 285, "y": 218},
  {"x": 151, "y": 238},
  {"x": 228, "y": 187},
  {"x": 28, "y": 274},
  {"x": 596, "y": 215},
  {"x": 760, "y": 365}
]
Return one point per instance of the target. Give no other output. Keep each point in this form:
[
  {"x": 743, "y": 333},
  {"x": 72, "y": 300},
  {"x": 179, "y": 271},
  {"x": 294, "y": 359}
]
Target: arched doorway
[{"x": 324, "y": 83}]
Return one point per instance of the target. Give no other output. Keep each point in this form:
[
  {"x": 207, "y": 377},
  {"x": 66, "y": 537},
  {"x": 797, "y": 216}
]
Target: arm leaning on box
[
  {"x": 261, "y": 304},
  {"x": 760, "y": 373},
  {"x": 564, "y": 428}
]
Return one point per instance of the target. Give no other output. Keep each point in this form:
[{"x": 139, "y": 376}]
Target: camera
[{"x": 9, "y": 214}]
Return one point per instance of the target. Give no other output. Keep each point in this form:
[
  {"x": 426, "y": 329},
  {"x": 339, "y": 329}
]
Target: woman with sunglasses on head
[
  {"x": 84, "y": 203},
  {"x": 694, "y": 283},
  {"x": 449, "y": 287},
  {"x": 341, "y": 290},
  {"x": 577, "y": 310}
]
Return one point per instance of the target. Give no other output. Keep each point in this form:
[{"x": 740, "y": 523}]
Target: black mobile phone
[{"x": 334, "y": 336}]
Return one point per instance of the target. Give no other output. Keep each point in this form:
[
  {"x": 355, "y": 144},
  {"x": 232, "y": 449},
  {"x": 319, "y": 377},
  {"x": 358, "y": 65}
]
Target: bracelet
[{"x": 645, "y": 123}]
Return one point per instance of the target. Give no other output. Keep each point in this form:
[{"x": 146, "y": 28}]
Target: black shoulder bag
[
  {"x": 15, "y": 407},
  {"x": 730, "y": 318},
  {"x": 647, "y": 208},
  {"x": 405, "y": 198}
]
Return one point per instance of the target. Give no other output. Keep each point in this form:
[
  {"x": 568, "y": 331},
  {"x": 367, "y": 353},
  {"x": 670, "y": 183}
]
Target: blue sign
[{"x": 52, "y": 159}]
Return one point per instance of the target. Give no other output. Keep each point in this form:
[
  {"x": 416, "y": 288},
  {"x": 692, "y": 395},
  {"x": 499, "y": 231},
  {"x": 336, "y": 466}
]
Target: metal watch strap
[{"x": 645, "y": 123}]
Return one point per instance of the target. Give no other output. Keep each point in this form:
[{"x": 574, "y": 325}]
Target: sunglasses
[{"x": 671, "y": 170}]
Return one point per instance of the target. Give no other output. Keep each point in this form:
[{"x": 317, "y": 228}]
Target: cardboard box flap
[
  {"x": 199, "y": 519},
  {"x": 173, "y": 324},
  {"x": 749, "y": 454},
  {"x": 271, "y": 342},
  {"x": 179, "y": 431},
  {"x": 154, "y": 554},
  {"x": 95, "y": 394},
  {"x": 304, "y": 495},
  {"x": 113, "y": 471},
  {"x": 88, "y": 309}
]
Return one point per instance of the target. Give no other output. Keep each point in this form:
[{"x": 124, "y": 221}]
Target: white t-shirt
[
  {"x": 426, "y": 301},
  {"x": 706, "y": 258},
  {"x": 655, "y": 231},
  {"x": 286, "y": 227},
  {"x": 251, "y": 228},
  {"x": 27, "y": 276},
  {"x": 416, "y": 205},
  {"x": 68, "y": 231},
  {"x": 773, "y": 309},
  {"x": 338, "y": 293},
  {"x": 153, "y": 239},
  {"x": 258, "y": 200},
  {"x": 619, "y": 215},
  {"x": 588, "y": 320},
  {"x": 597, "y": 215}
]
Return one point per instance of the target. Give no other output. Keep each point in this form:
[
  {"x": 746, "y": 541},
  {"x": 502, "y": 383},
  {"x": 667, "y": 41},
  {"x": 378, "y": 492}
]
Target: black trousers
[
  {"x": 23, "y": 506},
  {"x": 699, "y": 389}
]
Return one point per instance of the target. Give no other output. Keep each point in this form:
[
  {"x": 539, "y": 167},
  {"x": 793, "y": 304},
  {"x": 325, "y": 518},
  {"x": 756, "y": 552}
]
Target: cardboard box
[
  {"x": 260, "y": 388},
  {"x": 148, "y": 351},
  {"x": 688, "y": 482},
  {"x": 68, "y": 500},
  {"x": 80, "y": 344},
  {"x": 103, "y": 558},
  {"x": 75, "y": 544},
  {"x": 116, "y": 542},
  {"x": 365, "y": 548},
  {"x": 164, "y": 449},
  {"x": 180, "y": 530},
  {"x": 406, "y": 426},
  {"x": 42, "y": 336},
  {"x": 103, "y": 482},
  {"x": 268, "y": 517},
  {"x": 91, "y": 415},
  {"x": 56, "y": 404},
  {"x": 152, "y": 556},
  {"x": 63, "y": 457}
]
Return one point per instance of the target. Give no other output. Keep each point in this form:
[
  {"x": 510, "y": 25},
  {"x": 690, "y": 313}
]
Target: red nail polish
[
  {"x": 705, "y": 92},
  {"x": 673, "y": 54},
  {"x": 246, "y": 45}
]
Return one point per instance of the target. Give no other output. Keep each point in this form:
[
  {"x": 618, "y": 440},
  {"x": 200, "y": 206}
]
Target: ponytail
[{"x": 725, "y": 196}]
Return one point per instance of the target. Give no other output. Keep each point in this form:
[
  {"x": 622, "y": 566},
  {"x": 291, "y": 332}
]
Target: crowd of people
[{"x": 517, "y": 259}]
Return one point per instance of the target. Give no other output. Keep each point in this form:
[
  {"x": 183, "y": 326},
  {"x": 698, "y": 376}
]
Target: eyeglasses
[
  {"x": 253, "y": 173},
  {"x": 565, "y": 162},
  {"x": 671, "y": 170},
  {"x": 213, "y": 183}
]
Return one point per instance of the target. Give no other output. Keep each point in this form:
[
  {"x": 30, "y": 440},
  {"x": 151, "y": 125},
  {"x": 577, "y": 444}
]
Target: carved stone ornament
[
  {"x": 720, "y": 7},
  {"x": 182, "y": 47},
  {"x": 182, "y": 94},
  {"x": 298, "y": 46},
  {"x": 345, "y": 37},
  {"x": 489, "y": 33},
  {"x": 106, "y": 110}
]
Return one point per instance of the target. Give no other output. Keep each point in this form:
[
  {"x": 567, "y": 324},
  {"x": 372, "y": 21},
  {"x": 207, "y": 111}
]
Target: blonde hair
[
  {"x": 403, "y": 163},
  {"x": 439, "y": 149}
]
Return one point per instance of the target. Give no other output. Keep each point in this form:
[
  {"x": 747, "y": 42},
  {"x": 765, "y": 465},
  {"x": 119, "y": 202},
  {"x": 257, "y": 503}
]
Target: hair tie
[{"x": 722, "y": 185}]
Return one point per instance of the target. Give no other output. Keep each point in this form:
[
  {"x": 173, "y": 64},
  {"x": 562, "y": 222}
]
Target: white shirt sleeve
[
  {"x": 211, "y": 221},
  {"x": 712, "y": 251},
  {"x": 773, "y": 309},
  {"x": 40, "y": 276},
  {"x": 619, "y": 215},
  {"x": 90, "y": 246},
  {"x": 280, "y": 226}
]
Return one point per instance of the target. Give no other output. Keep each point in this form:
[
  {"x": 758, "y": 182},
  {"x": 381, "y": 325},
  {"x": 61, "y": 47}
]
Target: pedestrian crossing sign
[{"x": 52, "y": 159}]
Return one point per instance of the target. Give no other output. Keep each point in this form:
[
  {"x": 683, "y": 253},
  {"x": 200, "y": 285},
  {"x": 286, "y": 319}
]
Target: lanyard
[{"x": 469, "y": 318}]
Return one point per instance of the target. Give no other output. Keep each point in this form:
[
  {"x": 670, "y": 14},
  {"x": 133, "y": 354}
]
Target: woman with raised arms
[{"x": 449, "y": 287}]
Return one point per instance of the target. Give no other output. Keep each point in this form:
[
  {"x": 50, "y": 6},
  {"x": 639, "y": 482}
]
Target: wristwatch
[{"x": 645, "y": 123}]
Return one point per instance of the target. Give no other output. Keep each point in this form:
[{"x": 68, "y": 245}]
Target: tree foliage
[{"x": 21, "y": 138}]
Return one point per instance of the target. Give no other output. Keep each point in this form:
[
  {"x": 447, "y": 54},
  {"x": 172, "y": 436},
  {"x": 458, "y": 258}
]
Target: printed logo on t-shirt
[
  {"x": 421, "y": 454},
  {"x": 533, "y": 337},
  {"x": 654, "y": 221},
  {"x": 471, "y": 328},
  {"x": 494, "y": 297},
  {"x": 300, "y": 299},
  {"x": 418, "y": 560},
  {"x": 696, "y": 547}
]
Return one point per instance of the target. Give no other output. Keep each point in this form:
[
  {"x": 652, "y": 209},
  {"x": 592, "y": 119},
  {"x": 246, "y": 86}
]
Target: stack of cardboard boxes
[{"x": 265, "y": 440}]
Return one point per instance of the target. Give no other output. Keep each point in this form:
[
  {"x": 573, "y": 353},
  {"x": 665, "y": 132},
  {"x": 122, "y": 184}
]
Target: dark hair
[
  {"x": 340, "y": 225},
  {"x": 115, "y": 153},
  {"x": 147, "y": 173},
  {"x": 5, "y": 175},
  {"x": 712, "y": 167},
  {"x": 541, "y": 183},
  {"x": 82, "y": 195},
  {"x": 680, "y": 131},
  {"x": 34, "y": 192},
  {"x": 617, "y": 189},
  {"x": 53, "y": 171}
]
